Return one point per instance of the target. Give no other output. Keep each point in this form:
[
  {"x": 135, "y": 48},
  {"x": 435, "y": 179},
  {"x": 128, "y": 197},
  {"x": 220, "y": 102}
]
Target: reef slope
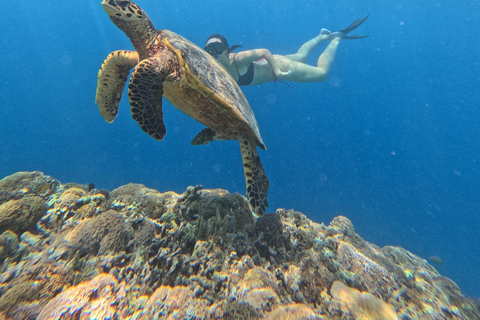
[{"x": 70, "y": 251}]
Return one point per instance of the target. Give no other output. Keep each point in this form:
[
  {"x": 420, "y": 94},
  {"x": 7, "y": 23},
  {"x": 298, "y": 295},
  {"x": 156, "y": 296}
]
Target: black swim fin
[{"x": 357, "y": 23}]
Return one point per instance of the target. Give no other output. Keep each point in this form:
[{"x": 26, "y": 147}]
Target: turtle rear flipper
[
  {"x": 207, "y": 135},
  {"x": 111, "y": 81},
  {"x": 204, "y": 137},
  {"x": 255, "y": 177},
  {"x": 145, "y": 92}
]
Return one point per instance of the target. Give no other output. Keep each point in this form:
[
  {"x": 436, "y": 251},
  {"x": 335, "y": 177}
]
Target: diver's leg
[
  {"x": 301, "y": 72},
  {"x": 325, "y": 61},
  {"x": 307, "y": 48}
]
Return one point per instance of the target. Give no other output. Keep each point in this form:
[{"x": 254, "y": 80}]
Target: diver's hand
[{"x": 284, "y": 75}]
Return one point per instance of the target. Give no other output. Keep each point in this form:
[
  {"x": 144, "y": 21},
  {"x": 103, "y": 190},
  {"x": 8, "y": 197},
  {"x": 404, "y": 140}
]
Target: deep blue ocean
[{"x": 391, "y": 140}]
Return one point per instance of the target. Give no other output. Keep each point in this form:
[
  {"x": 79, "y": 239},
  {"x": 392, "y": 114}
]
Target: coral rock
[
  {"x": 362, "y": 304},
  {"x": 94, "y": 299},
  {"x": 108, "y": 232},
  {"x": 21, "y": 215},
  {"x": 136, "y": 253},
  {"x": 8, "y": 244}
]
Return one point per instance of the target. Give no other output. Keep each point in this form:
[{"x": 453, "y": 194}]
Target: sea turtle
[{"x": 166, "y": 64}]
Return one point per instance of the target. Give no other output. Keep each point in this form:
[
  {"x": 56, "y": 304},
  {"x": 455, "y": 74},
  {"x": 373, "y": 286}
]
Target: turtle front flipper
[
  {"x": 145, "y": 92},
  {"x": 111, "y": 81},
  {"x": 255, "y": 177}
]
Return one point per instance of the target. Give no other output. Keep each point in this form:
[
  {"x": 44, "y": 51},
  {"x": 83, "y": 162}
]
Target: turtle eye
[{"x": 123, "y": 3}]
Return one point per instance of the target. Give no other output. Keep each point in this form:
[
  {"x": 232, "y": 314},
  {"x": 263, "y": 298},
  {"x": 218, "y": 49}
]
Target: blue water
[{"x": 390, "y": 140}]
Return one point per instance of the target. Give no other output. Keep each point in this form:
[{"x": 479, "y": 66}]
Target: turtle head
[
  {"x": 123, "y": 10},
  {"x": 132, "y": 20}
]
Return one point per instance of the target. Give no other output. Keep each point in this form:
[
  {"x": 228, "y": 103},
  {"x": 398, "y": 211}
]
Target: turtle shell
[{"x": 219, "y": 103}]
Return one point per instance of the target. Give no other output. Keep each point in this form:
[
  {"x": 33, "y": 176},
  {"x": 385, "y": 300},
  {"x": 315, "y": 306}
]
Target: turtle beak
[{"x": 109, "y": 6}]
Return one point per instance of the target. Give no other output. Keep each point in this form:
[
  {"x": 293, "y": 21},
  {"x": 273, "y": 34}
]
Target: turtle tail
[{"x": 255, "y": 177}]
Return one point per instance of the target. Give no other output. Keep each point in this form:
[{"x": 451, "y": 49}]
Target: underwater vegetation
[{"x": 70, "y": 251}]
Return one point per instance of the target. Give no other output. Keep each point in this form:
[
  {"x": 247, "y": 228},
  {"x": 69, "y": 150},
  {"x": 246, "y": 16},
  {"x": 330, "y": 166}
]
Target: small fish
[
  {"x": 45, "y": 187},
  {"x": 436, "y": 259},
  {"x": 49, "y": 186}
]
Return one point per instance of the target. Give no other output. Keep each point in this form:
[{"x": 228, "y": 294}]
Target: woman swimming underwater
[{"x": 258, "y": 66}]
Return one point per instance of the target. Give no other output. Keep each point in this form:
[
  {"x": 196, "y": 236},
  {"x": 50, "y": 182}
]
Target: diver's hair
[{"x": 224, "y": 41}]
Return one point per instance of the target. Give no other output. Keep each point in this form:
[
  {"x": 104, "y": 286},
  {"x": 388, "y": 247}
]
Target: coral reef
[
  {"x": 70, "y": 251},
  {"x": 94, "y": 299},
  {"x": 362, "y": 304}
]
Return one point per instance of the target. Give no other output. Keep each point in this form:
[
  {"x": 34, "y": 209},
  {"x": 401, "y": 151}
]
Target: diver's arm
[{"x": 246, "y": 57}]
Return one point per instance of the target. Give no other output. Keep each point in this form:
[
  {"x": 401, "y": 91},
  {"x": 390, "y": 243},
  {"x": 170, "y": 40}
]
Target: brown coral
[
  {"x": 95, "y": 299},
  {"x": 33, "y": 284},
  {"x": 362, "y": 304},
  {"x": 108, "y": 232},
  {"x": 22, "y": 184},
  {"x": 21, "y": 215},
  {"x": 8, "y": 244},
  {"x": 175, "y": 303}
]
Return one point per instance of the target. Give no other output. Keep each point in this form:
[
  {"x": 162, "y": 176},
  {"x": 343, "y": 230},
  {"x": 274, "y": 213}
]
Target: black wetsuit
[{"x": 247, "y": 78}]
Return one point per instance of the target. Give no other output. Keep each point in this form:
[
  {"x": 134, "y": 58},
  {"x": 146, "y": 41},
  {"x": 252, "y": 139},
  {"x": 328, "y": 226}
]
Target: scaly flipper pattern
[
  {"x": 204, "y": 137},
  {"x": 111, "y": 80},
  {"x": 145, "y": 92},
  {"x": 255, "y": 177}
]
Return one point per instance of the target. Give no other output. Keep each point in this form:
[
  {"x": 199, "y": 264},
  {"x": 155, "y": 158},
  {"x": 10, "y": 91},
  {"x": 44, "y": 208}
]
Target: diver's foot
[
  {"x": 337, "y": 34},
  {"x": 332, "y": 35},
  {"x": 325, "y": 32}
]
